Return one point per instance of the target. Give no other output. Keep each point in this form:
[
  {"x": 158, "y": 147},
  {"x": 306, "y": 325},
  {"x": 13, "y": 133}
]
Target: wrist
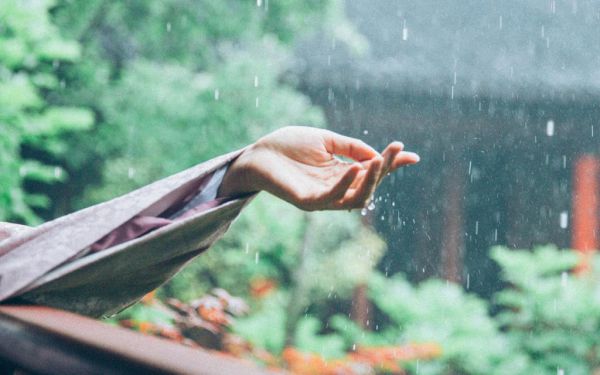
[{"x": 238, "y": 180}]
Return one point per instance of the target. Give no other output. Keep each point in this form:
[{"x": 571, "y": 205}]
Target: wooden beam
[{"x": 49, "y": 341}]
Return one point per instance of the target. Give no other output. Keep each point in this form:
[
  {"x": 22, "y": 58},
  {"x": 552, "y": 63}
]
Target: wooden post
[
  {"x": 453, "y": 226},
  {"x": 586, "y": 208},
  {"x": 361, "y": 311}
]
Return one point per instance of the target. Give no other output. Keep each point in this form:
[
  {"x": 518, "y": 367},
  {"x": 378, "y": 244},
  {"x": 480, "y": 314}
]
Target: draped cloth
[{"x": 82, "y": 262}]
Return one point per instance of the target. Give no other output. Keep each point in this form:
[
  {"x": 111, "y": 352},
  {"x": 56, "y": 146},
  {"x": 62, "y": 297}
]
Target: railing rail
[{"x": 40, "y": 340}]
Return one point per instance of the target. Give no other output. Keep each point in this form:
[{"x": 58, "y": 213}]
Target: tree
[{"x": 32, "y": 145}]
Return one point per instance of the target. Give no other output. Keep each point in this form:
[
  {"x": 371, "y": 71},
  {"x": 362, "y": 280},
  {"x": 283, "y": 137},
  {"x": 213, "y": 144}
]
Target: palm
[{"x": 299, "y": 165}]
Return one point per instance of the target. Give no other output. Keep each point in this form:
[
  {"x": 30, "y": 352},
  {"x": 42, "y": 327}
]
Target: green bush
[
  {"x": 548, "y": 318},
  {"x": 32, "y": 145},
  {"x": 549, "y": 314},
  {"x": 440, "y": 312}
]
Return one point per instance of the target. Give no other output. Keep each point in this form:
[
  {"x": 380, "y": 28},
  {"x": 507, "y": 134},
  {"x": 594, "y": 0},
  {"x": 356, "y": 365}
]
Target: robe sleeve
[
  {"x": 45, "y": 265},
  {"x": 8, "y": 230}
]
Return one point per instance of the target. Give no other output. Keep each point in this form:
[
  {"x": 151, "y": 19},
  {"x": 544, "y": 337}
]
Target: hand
[{"x": 298, "y": 164}]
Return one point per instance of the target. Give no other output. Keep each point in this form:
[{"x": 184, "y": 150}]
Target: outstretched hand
[{"x": 299, "y": 165}]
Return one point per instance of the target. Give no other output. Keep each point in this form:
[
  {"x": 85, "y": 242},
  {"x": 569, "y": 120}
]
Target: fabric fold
[{"x": 43, "y": 265}]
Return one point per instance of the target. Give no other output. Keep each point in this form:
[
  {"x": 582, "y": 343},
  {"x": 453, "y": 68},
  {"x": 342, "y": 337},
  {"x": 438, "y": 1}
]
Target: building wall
[{"x": 500, "y": 170}]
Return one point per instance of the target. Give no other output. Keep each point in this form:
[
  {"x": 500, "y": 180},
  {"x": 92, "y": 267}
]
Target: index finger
[{"x": 350, "y": 147}]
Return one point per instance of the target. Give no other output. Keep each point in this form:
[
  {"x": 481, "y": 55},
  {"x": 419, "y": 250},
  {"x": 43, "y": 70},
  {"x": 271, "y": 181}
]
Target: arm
[{"x": 299, "y": 165}]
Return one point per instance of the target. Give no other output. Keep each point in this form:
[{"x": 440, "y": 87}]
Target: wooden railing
[{"x": 41, "y": 340}]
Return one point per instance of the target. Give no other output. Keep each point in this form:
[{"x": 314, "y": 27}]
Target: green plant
[
  {"x": 441, "y": 312},
  {"x": 548, "y": 313},
  {"x": 33, "y": 145}
]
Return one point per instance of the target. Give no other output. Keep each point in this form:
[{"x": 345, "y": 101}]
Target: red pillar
[{"x": 586, "y": 191}]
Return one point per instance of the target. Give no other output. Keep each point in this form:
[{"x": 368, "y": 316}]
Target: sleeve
[
  {"x": 52, "y": 264},
  {"x": 8, "y": 230}
]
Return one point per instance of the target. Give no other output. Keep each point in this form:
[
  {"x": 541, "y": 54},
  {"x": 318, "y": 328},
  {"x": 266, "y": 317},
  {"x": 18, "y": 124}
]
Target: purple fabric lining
[
  {"x": 140, "y": 225},
  {"x": 134, "y": 228}
]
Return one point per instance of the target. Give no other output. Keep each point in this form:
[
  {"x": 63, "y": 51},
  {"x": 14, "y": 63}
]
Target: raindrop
[
  {"x": 560, "y": 371},
  {"x": 258, "y": 3},
  {"x": 257, "y": 102},
  {"x": 256, "y": 257},
  {"x": 57, "y": 172},
  {"x": 365, "y": 132},
  {"x": 404, "y": 32},
  {"x": 247, "y": 248},
  {"x": 468, "y": 280},
  {"x": 500, "y": 22},
  {"x": 130, "y": 172},
  {"x": 371, "y": 205},
  {"x": 363, "y": 212},
  {"x": 496, "y": 235},
  {"x": 470, "y": 165},
  {"x": 168, "y": 27},
  {"x": 217, "y": 94},
  {"x": 550, "y": 128},
  {"x": 564, "y": 219},
  {"x": 564, "y": 278},
  {"x": 255, "y": 81},
  {"x": 477, "y": 227}
]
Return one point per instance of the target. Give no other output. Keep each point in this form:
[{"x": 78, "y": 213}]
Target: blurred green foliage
[
  {"x": 547, "y": 322},
  {"x": 295, "y": 251},
  {"x": 177, "y": 82},
  {"x": 550, "y": 314},
  {"x": 117, "y": 94},
  {"x": 33, "y": 127}
]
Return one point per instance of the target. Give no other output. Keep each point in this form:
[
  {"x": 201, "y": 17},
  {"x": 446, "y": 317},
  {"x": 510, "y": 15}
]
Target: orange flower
[
  {"x": 148, "y": 298},
  {"x": 262, "y": 287}
]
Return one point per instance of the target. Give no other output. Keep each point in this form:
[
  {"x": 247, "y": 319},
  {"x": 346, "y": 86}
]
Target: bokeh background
[{"x": 454, "y": 269}]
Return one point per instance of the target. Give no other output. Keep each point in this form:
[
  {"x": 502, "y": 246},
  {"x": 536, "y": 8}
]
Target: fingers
[
  {"x": 341, "y": 187},
  {"x": 389, "y": 156},
  {"x": 350, "y": 147},
  {"x": 404, "y": 158},
  {"x": 356, "y": 198},
  {"x": 390, "y": 153}
]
